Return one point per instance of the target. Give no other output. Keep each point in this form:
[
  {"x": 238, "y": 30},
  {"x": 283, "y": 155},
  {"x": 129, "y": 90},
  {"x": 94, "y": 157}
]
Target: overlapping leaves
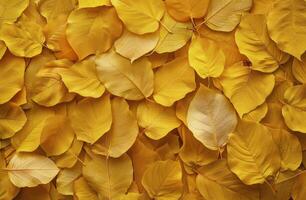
[{"x": 166, "y": 100}]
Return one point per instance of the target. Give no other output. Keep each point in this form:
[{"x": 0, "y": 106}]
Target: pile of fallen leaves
[{"x": 152, "y": 99}]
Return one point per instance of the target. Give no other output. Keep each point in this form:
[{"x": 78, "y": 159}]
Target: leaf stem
[
  {"x": 166, "y": 27},
  {"x": 271, "y": 187}
]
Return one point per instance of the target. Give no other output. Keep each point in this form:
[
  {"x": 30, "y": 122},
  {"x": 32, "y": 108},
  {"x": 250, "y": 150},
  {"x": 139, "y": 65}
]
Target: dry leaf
[
  {"x": 30, "y": 170},
  {"x": 211, "y": 118}
]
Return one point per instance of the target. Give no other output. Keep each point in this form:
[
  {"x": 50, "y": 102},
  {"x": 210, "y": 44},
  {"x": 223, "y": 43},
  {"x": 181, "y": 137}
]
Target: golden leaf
[
  {"x": 216, "y": 181},
  {"x": 173, "y": 35},
  {"x": 140, "y": 16},
  {"x": 245, "y": 88},
  {"x": 163, "y": 180},
  {"x": 211, "y": 118},
  {"x": 122, "y": 134},
  {"x": 156, "y": 120},
  {"x": 205, "y": 57},
  {"x": 286, "y": 26},
  {"x": 184, "y": 10},
  {"x": 86, "y": 119},
  {"x": 109, "y": 177},
  {"x": 133, "y": 81},
  {"x": 224, "y": 15},
  {"x": 252, "y": 154},
  {"x": 173, "y": 81},
  {"x": 98, "y": 28},
  {"x": 30, "y": 170},
  {"x": 23, "y": 38}
]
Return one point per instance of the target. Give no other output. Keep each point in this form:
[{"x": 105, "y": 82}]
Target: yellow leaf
[
  {"x": 12, "y": 76},
  {"x": 193, "y": 153},
  {"x": 224, "y": 15},
  {"x": 83, "y": 191},
  {"x": 296, "y": 96},
  {"x": 122, "y": 134},
  {"x": 57, "y": 135},
  {"x": 294, "y": 118},
  {"x": 163, "y": 180},
  {"x": 32, "y": 69},
  {"x": 28, "y": 138},
  {"x": 205, "y": 57},
  {"x": 133, "y": 81},
  {"x": 133, "y": 46},
  {"x": 182, "y": 108},
  {"x": 12, "y": 9},
  {"x": 156, "y": 120},
  {"x": 12, "y": 119},
  {"x": 142, "y": 156},
  {"x": 55, "y": 33},
  {"x": 253, "y": 41},
  {"x": 173, "y": 81},
  {"x": 30, "y": 170},
  {"x": 225, "y": 41},
  {"x": 49, "y": 89},
  {"x": 65, "y": 179},
  {"x": 81, "y": 78},
  {"x": 92, "y": 30},
  {"x": 173, "y": 35},
  {"x": 7, "y": 189},
  {"x": 286, "y": 23},
  {"x": 211, "y": 118},
  {"x": 252, "y": 154},
  {"x": 140, "y": 16},
  {"x": 216, "y": 181},
  {"x": 184, "y": 10},
  {"x": 298, "y": 191},
  {"x": 245, "y": 88},
  {"x": 109, "y": 177},
  {"x": 283, "y": 187},
  {"x": 2, "y": 49},
  {"x": 86, "y": 118},
  {"x": 299, "y": 69},
  {"x": 294, "y": 111},
  {"x": 261, "y": 6},
  {"x": 51, "y": 9},
  {"x": 257, "y": 114},
  {"x": 23, "y": 38},
  {"x": 70, "y": 157},
  {"x": 274, "y": 118},
  {"x": 93, "y": 3},
  {"x": 288, "y": 145}
]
